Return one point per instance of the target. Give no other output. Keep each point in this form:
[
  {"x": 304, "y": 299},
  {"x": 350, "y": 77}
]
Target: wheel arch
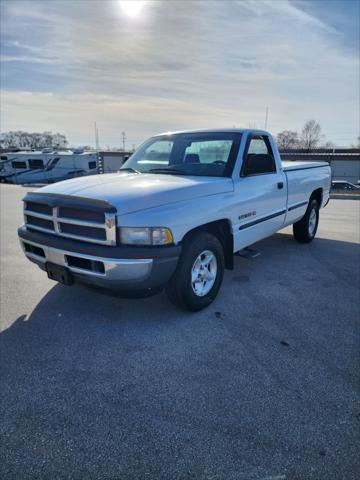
[
  {"x": 317, "y": 195},
  {"x": 222, "y": 230}
]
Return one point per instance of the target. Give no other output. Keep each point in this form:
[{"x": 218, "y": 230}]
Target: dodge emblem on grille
[{"x": 110, "y": 222}]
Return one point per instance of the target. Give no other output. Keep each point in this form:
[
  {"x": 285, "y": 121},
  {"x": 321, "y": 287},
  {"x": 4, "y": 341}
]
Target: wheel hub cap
[
  {"x": 203, "y": 273},
  {"x": 312, "y": 222}
]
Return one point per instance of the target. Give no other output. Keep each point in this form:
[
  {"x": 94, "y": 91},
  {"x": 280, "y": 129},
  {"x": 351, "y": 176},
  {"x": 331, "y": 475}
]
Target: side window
[
  {"x": 259, "y": 159},
  {"x": 36, "y": 164},
  {"x": 258, "y": 146},
  {"x": 18, "y": 164},
  {"x": 92, "y": 165}
]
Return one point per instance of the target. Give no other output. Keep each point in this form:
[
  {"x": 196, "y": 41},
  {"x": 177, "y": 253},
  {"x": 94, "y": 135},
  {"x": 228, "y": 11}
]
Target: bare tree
[
  {"x": 328, "y": 144},
  {"x": 310, "y": 135},
  {"x": 287, "y": 140},
  {"x": 25, "y": 140}
]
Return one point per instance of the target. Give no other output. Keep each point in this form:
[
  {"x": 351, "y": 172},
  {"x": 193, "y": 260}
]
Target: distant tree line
[
  {"x": 309, "y": 138},
  {"x": 32, "y": 141}
]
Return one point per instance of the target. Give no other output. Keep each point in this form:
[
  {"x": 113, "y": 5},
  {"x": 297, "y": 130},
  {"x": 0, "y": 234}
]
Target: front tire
[
  {"x": 199, "y": 273},
  {"x": 305, "y": 229}
]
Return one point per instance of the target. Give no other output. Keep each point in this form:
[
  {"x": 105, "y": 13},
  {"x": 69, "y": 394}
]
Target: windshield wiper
[
  {"x": 168, "y": 170},
  {"x": 129, "y": 169}
]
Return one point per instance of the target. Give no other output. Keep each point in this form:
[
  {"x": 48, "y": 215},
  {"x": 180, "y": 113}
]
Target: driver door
[{"x": 260, "y": 194}]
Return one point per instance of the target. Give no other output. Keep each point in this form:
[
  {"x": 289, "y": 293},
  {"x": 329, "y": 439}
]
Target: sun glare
[{"x": 132, "y": 8}]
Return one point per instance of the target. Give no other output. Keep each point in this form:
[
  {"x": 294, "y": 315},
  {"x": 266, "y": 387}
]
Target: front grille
[
  {"x": 87, "y": 215},
  {"x": 39, "y": 222},
  {"x": 87, "y": 224},
  {"x": 39, "y": 208},
  {"x": 81, "y": 231}
]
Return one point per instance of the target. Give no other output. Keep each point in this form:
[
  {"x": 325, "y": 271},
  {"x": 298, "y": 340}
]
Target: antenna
[
  {"x": 123, "y": 134},
  {"x": 266, "y": 117}
]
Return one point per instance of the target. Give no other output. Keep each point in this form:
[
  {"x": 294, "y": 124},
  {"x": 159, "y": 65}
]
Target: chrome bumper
[{"x": 92, "y": 267}]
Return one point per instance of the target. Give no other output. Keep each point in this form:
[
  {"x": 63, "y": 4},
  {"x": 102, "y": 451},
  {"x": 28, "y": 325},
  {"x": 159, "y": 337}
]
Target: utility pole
[
  {"x": 97, "y": 147},
  {"x": 266, "y": 117},
  {"x": 123, "y": 134}
]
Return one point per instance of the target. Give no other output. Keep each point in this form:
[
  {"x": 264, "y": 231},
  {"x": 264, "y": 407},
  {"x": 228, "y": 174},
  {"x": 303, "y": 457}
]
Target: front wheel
[
  {"x": 199, "y": 273},
  {"x": 305, "y": 229}
]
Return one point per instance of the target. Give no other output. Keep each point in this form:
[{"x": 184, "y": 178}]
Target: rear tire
[
  {"x": 305, "y": 229},
  {"x": 199, "y": 273}
]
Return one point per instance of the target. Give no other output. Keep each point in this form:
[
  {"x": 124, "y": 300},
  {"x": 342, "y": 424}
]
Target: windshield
[{"x": 209, "y": 154}]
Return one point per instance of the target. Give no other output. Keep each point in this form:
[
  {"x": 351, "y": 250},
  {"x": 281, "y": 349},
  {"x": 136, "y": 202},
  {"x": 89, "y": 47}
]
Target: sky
[{"x": 179, "y": 65}]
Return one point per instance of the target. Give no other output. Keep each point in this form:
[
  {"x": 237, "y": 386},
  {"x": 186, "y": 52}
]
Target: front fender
[{"x": 181, "y": 217}]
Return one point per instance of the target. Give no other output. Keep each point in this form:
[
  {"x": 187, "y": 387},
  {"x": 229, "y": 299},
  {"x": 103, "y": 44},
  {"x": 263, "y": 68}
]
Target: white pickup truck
[{"x": 174, "y": 215}]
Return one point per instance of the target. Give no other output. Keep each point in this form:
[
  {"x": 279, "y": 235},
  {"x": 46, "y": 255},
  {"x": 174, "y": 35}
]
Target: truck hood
[{"x": 129, "y": 192}]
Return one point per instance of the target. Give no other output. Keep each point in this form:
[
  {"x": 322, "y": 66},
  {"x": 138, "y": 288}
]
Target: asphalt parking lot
[{"x": 264, "y": 384}]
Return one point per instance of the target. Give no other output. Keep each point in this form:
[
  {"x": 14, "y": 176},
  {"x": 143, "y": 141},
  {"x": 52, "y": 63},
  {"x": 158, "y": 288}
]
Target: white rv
[{"x": 46, "y": 166}]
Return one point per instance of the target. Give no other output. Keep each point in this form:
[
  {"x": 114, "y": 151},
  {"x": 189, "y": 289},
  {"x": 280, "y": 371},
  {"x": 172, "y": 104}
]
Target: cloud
[
  {"x": 284, "y": 8},
  {"x": 74, "y": 115},
  {"x": 181, "y": 65}
]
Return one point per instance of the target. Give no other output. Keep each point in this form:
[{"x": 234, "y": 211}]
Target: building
[
  {"x": 344, "y": 162},
  {"x": 110, "y": 162}
]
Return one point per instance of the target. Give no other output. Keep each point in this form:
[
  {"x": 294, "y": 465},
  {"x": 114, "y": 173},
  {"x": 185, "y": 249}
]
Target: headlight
[{"x": 145, "y": 236}]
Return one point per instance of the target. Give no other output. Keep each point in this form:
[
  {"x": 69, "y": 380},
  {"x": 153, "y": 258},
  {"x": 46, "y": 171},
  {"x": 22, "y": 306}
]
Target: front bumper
[{"x": 116, "y": 268}]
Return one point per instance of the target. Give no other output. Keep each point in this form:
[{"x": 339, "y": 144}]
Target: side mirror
[{"x": 256, "y": 164}]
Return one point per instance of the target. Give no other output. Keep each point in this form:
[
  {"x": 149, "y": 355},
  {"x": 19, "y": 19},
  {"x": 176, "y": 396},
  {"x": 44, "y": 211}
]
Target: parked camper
[{"x": 47, "y": 166}]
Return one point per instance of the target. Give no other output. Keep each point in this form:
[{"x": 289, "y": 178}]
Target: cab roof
[{"x": 217, "y": 130}]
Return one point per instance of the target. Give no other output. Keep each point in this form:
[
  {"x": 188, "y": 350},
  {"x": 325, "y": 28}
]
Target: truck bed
[
  {"x": 303, "y": 178},
  {"x": 291, "y": 165}
]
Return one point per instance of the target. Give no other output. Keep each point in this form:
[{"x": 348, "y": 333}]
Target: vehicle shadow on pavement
[{"x": 261, "y": 383}]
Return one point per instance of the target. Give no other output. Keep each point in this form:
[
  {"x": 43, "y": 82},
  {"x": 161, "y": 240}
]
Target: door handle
[{"x": 280, "y": 185}]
